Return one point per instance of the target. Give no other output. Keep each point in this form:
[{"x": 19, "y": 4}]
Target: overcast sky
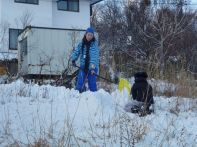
[{"x": 194, "y": 4}]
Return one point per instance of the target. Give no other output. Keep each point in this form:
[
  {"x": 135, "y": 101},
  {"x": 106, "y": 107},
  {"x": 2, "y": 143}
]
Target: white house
[
  {"x": 62, "y": 17},
  {"x": 16, "y": 14}
]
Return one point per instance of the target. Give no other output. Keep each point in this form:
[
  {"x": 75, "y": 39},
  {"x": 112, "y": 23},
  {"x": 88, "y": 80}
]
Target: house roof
[{"x": 92, "y": 2}]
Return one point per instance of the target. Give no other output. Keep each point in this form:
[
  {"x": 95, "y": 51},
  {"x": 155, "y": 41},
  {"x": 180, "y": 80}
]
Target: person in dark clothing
[
  {"x": 88, "y": 52},
  {"x": 142, "y": 94}
]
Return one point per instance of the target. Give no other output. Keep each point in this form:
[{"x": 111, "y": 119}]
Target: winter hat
[
  {"x": 141, "y": 75},
  {"x": 90, "y": 30}
]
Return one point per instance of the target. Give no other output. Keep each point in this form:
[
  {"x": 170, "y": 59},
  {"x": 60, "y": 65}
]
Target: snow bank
[{"x": 30, "y": 112}]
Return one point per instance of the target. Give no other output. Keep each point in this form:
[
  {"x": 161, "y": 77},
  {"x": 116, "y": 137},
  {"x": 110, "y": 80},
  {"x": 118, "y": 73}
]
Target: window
[
  {"x": 68, "y": 5},
  {"x": 13, "y": 38},
  {"x": 27, "y": 1}
]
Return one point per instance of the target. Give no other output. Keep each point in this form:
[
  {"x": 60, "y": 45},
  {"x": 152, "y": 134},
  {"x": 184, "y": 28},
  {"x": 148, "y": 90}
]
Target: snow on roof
[{"x": 7, "y": 56}]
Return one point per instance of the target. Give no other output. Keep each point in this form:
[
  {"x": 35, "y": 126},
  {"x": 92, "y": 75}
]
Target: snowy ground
[{"x": 64, "y": 117}]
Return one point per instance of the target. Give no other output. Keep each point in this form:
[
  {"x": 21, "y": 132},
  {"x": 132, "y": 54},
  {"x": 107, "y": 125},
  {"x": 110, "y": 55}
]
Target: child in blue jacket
[{"x": 88, "y": 51}]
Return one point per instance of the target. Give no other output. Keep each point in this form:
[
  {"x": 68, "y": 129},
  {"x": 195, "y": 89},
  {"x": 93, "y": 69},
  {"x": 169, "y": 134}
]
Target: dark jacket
[{"x": 142, "y": 91}]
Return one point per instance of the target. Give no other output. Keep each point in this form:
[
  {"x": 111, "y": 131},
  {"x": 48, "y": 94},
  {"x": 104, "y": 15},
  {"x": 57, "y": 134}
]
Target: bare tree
[
  {"x": 165, "y": 32},
  {"x": 146, "y": 34},
  {"x": 24, "y": 20},
  {"x": 4, "y": 27},
  {"x": 109, "y": 24},
  {"x": 158, "y": 33}
]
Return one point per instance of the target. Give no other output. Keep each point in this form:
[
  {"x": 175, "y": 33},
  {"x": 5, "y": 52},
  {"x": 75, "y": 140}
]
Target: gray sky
[{"x": 193, "y": 4}]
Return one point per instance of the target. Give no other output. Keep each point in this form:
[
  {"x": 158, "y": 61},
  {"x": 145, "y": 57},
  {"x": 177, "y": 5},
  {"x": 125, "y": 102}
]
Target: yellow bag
[{"x": 123, "y": 83}]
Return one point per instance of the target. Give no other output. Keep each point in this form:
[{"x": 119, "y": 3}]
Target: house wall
[
  {"x": 1, "y": 27},
  {"x": 0, "y": 10},
  {"x": 45, "y": 14},
  {"x": 66, "y": 19},
  {"x": 12, "y": 13},
  {"x": 40, "y": 14}
]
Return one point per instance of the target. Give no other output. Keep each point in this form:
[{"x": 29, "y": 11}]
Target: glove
[
  {"x": 73, "y": 63},
  {"x": 92, "y": 72}
]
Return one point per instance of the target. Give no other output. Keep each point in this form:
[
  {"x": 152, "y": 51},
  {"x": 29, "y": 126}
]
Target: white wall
[
  {"x": 12, "y": 12},
  {"x": 68, "y": 19},
  {"x": 41, "y": 14},
  {"x": 0, "y": 10},
  {"x": 45, "y": 14}
]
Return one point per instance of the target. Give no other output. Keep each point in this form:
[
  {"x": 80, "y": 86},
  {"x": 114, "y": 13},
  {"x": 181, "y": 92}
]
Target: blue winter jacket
[{"x": 94, "y": 55}]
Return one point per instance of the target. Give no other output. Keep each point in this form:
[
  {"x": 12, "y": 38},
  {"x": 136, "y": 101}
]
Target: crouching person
[{"x": 142, "y": 94}]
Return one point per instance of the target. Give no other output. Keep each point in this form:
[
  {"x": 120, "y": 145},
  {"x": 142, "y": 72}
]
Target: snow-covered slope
[{"x": 62, "y": 117}]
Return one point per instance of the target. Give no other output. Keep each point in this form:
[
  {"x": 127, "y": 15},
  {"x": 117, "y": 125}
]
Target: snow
[
  {"x": 3, "y": 78},
  {"x": 7, "y": 56},
  {"x": 66, "y": 117}
]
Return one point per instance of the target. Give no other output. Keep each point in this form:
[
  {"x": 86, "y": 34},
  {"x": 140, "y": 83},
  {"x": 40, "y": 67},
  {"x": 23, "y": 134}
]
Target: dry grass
[
  {"x": 184, "y": 82},
  {"x": 40, "y": 143},
  {"x": 186, "y": 85}
]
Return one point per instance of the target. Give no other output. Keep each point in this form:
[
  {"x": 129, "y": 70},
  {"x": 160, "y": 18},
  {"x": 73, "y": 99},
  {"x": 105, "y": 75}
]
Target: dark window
[
  {"x": 68, "y": 5},
  {"x": 13, "y": 38},
  {"x": 27, "y": 1}
]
